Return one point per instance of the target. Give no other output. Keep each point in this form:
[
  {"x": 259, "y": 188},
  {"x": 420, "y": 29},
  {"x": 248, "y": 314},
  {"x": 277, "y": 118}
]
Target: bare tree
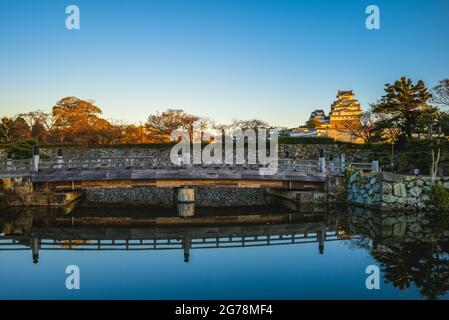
[
  {"x": 363, "y": 128},
  {"x": 438, "y": 138},
  {"x": 254, "y": 124},
  {"x": 40, "y": 122},
  {"x": 441, "y": 94},
  {"x": 37, "y": 117},
  {"x": 163, "y": 124}
]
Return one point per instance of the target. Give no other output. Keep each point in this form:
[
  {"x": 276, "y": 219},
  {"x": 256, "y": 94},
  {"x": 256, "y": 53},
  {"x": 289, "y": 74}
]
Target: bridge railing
[
  {"x": 15, "y": 166},
  {"x": 360, "y": 166},
  {"x": 298, "y": 165},
  {"x": 333, "y": 167},
  {"x": 110, "y": 162},
  {"x": 20, "y": 243}
]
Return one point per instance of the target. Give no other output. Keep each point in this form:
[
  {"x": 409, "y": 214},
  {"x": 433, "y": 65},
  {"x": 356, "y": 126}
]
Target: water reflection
[
  {"x": 411, "y": 249},
  {"x": 93, "y": 229}
]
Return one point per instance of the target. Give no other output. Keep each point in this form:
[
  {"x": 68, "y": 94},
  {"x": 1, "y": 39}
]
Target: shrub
[
  {"x": 440, "y": 195},
  {"x": 23, "y": 149}
]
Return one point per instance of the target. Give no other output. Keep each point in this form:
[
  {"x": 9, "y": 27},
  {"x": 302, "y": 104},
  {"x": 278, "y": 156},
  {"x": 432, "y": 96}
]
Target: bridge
[
  {"x": 76, "y": 175},
  {"x": 144, "y": 171}
]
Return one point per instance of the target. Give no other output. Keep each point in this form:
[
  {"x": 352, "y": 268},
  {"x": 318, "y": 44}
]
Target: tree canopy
[{"x": 403, "y": 107}]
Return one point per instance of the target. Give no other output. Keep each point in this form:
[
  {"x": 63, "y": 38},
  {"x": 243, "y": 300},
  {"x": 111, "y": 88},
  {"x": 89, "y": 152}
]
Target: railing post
[
  {"x": 35, "y": 162},
  {"x": 58, "y": 160},
  {"x": 322, "y": 162},
  {"x": 342, "y": 162},
  {"x": 9, "y": 162},
  {"x": 375, "y": 166}
]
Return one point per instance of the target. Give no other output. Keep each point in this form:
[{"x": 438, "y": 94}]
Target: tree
[
  {"x": 40, "y": 122},
  {"x": 402, "y": 106},
  {"x": 6, "y": 129},
  {"x": 37, "y": 117},
  {"x": 39, "y": 132},
  {"x": 222, "y": 129},
  {"x": 441, "y": 94},
  {"x": 363, "y": 128},
  {"x": 20, "y": 129},
  {"x": 313, "y": 123},
  {"x": 438, "y": 134},
  {"x": 134, "y": 134},
  {"x": 77, "y": 120},
  {"x": 163, "y": 124},
  {"x": 254, "y": 124}
]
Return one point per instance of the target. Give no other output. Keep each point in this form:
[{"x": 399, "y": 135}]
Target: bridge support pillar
[{"x": 185, "y": 195}]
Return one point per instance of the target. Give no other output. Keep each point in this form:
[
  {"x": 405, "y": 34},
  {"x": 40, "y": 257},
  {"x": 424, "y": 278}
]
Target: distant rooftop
[{"x": 345, "y": 93}]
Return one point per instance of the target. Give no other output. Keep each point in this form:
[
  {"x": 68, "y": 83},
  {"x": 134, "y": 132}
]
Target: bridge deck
[{"x": 83, "y": 179}]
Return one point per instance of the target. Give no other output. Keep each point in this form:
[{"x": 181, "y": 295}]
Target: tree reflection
[
  {"x": 425, "y": 264},
  {"x": 416, "y": 256}
]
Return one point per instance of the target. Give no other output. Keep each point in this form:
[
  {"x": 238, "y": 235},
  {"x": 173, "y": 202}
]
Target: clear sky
[{"x": 224, "y": 59}]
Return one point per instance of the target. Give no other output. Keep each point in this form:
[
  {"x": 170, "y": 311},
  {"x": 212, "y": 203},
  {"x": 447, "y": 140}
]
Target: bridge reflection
[{"x": 96, "y": 233}]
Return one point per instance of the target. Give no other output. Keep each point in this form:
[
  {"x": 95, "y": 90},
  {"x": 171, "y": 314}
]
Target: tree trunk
[{"x": 435, "y": 162}]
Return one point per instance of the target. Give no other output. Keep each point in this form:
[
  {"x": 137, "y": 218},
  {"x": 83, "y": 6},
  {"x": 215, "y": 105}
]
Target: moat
[{"x": 265, "y": 252}]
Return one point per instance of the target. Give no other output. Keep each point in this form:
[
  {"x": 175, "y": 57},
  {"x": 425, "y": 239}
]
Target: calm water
[{"x": 233, "y": 253}]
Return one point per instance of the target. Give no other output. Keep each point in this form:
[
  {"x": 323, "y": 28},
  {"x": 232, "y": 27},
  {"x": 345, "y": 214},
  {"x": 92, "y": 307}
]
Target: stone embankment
[{"x": 389, "y": 191}]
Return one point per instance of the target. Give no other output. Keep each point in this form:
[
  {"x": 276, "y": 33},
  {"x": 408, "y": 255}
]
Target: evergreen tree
[{"x": 403, "y": 107}]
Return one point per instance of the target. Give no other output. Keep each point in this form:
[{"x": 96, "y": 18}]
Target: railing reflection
[{"x": 62, "y": 235}]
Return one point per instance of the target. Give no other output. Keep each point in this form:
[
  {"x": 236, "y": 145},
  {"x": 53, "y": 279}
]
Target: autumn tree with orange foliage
[{"x": 78, "y": 121}]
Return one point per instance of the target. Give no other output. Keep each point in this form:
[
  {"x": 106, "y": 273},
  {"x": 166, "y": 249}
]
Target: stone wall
[
  {"x": 390, "y": 191},
  {"x": 312, "y": 152},
  {"x": 162, "y": 154},
  {"x": 152, "y": 196}
]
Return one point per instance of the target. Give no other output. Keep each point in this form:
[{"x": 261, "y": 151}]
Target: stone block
[
  {"x": 415, "y": 192},
  {"x": 399, "y": 190},
  {"x": 391, "y": 177},
  {"x": 387, "y": 188},
  {"x": 390, "y": 199}
]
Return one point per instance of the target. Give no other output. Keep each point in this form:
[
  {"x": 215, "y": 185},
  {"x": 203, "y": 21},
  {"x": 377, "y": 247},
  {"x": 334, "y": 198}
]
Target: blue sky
[{"x": 224, "y": 59}]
